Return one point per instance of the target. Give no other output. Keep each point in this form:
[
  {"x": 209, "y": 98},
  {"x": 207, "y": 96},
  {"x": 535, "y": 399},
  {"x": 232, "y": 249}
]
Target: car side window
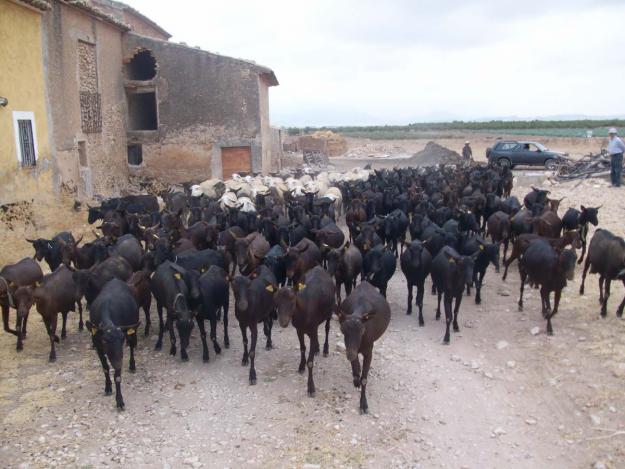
[
  {"x": 518, "y": 147},
  {"x": 508, "y": 146}
]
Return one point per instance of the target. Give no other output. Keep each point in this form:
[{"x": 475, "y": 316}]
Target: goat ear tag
[
  {"x": 177, "y": 276},
  {"x": 269, "y": 288},
  {"x": 301, "y": 286},
  {"x": 481, "y": 247},
  {"x": 130, "y": 331},
  {"x": 451, "y": 261},
  {"x": 93, "y": 330}
]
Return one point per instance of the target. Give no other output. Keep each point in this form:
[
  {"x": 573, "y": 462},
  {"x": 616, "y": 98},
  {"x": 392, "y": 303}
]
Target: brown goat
[{"x": 310, "y": 306}]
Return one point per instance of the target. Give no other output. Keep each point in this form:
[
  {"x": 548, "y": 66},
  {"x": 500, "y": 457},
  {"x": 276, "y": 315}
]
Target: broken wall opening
[
  {"x": 141, "y": 67},
  {"x": 142, "y": 114},
  {"x": 135, "y": 155}
]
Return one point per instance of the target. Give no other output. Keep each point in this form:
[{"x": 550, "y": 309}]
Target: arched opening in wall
[{"x": 141, "y": 67}]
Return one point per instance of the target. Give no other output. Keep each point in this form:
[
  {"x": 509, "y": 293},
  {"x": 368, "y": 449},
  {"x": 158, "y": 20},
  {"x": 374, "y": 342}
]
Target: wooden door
[{"x": 236, "y": 160}]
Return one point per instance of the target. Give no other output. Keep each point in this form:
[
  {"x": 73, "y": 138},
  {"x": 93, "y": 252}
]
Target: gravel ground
[{"x": 503, "y": 394}]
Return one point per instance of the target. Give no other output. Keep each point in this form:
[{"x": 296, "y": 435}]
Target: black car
[{"x": 512, "y": 153}]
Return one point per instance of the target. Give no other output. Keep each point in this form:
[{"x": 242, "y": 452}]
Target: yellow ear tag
[
  {"x": 301, "y": 286},
  {"x": 93, "y": 330},
  {"x": 130, "y": 331},
  {"x": 269, "y": 288},
  {"x": 37, "y": 284},
  {"x": 202, "y": 270},
  {"x": 451, "y": 261},
  {"x": 481, "y": 247},
  {"x": 177, "y": 276}
]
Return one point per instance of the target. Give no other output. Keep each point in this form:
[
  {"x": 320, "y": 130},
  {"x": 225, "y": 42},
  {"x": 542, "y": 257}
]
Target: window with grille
[{"x": 25, "y": 138}]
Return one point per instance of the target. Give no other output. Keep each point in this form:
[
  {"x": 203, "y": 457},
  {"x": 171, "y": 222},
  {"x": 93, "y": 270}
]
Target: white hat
[
  {"x": 612, "y": 131},
  {"x": 466, "y": 143}
]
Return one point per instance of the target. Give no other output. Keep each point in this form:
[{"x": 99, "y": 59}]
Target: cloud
[{"x": 366, "y": 62}]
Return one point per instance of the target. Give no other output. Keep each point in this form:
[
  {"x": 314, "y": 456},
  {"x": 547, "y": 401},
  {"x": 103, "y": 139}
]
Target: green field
[{"x": 459, "y": 128}]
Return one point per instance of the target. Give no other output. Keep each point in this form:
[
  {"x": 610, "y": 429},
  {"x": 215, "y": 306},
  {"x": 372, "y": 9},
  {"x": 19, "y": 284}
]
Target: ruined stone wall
[
  {"x": 276, "y": 151},
  {"x": 265, "y": 129},
  {"x": 87, "y": 101},
  {"x": 205, "y": 102}
]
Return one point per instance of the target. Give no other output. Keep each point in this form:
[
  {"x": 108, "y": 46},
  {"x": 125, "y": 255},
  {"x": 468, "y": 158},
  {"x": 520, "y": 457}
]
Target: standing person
[
  {"x": 616, "y": 147},
  {"x": 467, "y": 153}
]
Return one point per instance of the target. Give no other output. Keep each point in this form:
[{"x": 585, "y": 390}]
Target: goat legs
[
  {"x": 606, "y": 296},
  {"x": 314, "y": 345},
  {"x": 200, "y": 325},
  {"x": 243, "y": 328},
  {"x": 326, "y": 344},
  {"x": 586, "y": 266},
  {"x": 254, "y": 330},
  {"x": 108, "y": 386},
  {"x": 419, "y": 301},
  {"x": 366, "y": 363},
  {"x": 302, "y": 351}
]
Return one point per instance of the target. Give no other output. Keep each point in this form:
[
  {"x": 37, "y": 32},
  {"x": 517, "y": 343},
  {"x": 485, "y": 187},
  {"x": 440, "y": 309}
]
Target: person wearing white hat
[
  {"x": 467, "y": 153},
  {"x": 616, "y": 147}
]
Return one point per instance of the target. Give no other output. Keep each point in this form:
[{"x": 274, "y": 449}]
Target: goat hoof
[
  {"x": 120, "y": 406},
  {"x": 364, "y": 410},
  {"x": 252, "y": 381},
  {"x": 19, "y": 347},
  {"x": 108, "y": 392},
  {"x": 158, "y": 346},
  {"x": 311, "y": 393},
  {"x": 217, "y": 349}
]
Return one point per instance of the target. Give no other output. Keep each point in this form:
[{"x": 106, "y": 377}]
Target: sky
[{"x": 367, "y": 62}]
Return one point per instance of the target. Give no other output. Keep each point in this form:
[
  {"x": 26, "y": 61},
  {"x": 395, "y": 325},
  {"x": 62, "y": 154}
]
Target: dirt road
[{"x": 498, "y": 396}]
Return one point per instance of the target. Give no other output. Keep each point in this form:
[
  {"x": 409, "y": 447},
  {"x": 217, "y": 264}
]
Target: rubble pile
[
  {"x": 336, "y": 144},
  {"x": 588, "y": 166},
  {"x": 434, "y": 154}
]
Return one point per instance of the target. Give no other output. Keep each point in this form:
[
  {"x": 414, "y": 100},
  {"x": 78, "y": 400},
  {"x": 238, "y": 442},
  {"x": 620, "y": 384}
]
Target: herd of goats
[{"x": 183, "y": 249}]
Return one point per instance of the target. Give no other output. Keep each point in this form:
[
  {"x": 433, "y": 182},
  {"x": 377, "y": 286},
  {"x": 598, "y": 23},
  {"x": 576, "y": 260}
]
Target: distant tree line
[{"x": 466, "y": 125}]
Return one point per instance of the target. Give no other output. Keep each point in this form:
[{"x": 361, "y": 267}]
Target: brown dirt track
[{"x": 533, "y": 401}]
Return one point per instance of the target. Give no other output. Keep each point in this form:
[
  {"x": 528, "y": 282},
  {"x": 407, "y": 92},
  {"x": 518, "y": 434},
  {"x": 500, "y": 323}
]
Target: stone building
[
  {"x": 25, "y": 159},
  {"x": 124, "y": 101},
  {"x": 193, "y": 114}
]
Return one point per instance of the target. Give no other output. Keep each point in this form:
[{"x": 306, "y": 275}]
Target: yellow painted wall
[{"x": 22, "y": 83}]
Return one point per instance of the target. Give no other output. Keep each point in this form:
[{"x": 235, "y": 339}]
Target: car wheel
[
  {"x": 505, "y": 162},
  {"x": 550, "y": 164}
]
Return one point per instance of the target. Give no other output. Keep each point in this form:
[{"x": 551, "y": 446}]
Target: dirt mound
[{"x": 434, "y": 154}]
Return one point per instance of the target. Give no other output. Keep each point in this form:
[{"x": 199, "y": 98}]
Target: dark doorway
[
  {"x": 135, "y": 155},
  {"x": 141, "y": 67},
  {"x": 142, "y": 111}
]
